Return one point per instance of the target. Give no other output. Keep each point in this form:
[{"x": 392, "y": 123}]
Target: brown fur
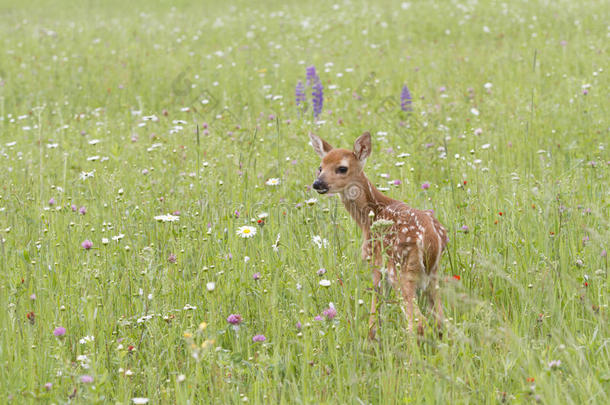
[{"x": 412, "y": 240}]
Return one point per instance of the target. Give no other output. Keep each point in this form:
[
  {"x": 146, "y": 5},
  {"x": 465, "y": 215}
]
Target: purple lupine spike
[
  {"x": 300, "y": 93},
  {"x": 317, "y": 97},
  {"x": 405, "y": 99},
  {"x": 311, "y": 75}
]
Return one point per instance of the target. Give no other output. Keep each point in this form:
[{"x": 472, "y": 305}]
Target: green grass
[{"x": 75, "y": 72}]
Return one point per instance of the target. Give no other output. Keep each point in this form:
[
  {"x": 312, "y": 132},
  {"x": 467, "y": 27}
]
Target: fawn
[{"x": 412, "y": 240}]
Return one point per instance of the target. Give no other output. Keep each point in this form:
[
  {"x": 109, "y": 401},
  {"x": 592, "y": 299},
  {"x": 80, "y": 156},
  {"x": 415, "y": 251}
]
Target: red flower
[
  {"x": 457, "y": 277},
  {"x": 586, "y": 284},
  {"x": 500, "y": 213},
  {"x": 31, "y": 317},
  {"x": 130, "y": 348},
  {"x": 530, "y": 379}
]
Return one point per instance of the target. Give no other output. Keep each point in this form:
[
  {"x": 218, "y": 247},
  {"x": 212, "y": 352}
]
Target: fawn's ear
[
  {"x": 320, "y": 145},
  {"x": 362, "y": 147}
]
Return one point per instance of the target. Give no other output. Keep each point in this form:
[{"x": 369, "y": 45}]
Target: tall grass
[{"x": 509, "y": 126}]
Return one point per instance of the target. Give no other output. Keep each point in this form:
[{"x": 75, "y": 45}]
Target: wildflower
[
  {"x": 210, "y": 286},
  {"x": 86, "y": 339},
  {"x": 86, "y": 379},
  {"x": 273, "y": 182},
  {"x": 405, "y": 99},
  {"x": 604, "y": 253},
  {"x": 465, "y": 228},
  {"x": 300, "y": 94},
  {"x": 319, "y": 241},
  {"x": 311, "y": 74},
  {"x": 234, "y": 319},
  {"x": 236, "y": 214},
  {"x": 317, "y": 97},
  {"x": 87, "y": 244},
  {"x": 457, "y": 277},
  {"x": 139, "y": 400},
  {"x": 172, "y": 258},
  {"x": 167, "y": 218},
  {"x": 554, "y": 364},
  {"x": 330, "y": 313},
  {"x": 321, "y": 271},
  {"x": 246, "y": 231},
  {"x": 48, "y": 386},
  {"x": 52, "y": 201},
  {"x": 256, "y": 276},
  {"x": 82, "y": 210},
  {"x": 299, "y": 326},
  {"x": 74, "y": 208},
  {"x": 258, "y": 338},
  {"x": 425, "y": 185},
  {"x": 324, "y": 282},
  {"x": 318, "y": 318}
]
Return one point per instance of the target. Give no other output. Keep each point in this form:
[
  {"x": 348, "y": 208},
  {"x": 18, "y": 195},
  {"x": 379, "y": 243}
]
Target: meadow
[{"x": 160, "y": 241}]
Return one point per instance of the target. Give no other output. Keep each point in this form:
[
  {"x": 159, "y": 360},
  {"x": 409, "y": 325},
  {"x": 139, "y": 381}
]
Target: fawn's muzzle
[{"x": 320, "y": 186}]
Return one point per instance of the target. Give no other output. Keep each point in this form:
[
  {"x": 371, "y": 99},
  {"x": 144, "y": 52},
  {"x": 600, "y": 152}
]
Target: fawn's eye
[
  {"x": 342, "y": 169},
  {"x": 320, "y": 168}
]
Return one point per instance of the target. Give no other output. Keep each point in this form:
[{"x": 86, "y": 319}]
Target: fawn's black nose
[{"x": 320, "y": 186}]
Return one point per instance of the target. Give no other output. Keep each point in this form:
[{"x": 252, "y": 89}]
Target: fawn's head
[{"x": 339, "y": 167}]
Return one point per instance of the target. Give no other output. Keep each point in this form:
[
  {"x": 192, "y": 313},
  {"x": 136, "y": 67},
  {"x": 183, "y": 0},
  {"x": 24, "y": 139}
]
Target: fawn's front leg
[{"x": 374, "y": 257}]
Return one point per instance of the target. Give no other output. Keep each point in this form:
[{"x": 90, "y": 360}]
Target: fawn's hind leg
[
  {"x": 409, "y": 276},
  {"x": 434, "y": 301}
]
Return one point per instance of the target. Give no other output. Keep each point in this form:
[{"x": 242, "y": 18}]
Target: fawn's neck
[{"x": 362, "y": 197}]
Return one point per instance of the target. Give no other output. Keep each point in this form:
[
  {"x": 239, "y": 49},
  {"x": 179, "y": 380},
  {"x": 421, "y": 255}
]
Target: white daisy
[
  {"x": 263, "y": 215},
  {"x": 311, "y": 201},
  {"x": 140, "y": 400},
  {"x": 246, "y": 231},
  {"x": 86, "y": 175},
  {"x": 324, "y": 282},
  {"x": 167, "y": 218},
  {"x": 210, "y": 286},
  {"x": 273, "y": 182},
  {"x": 319, "y": 241}
]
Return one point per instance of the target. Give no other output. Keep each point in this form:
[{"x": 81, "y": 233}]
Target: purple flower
[
  {"x": 86, "y": 379},
  {"x": 256, "y": 276},
  {"x": 299, "y": 326},
  {"x": 52, "y": 201},
  {"x": 405, "y": 99},
  {"x": 465, "y": 228},
  {"x": 299, "y": 92},
  {"x": 330, "y": 313},
  {"x": 258, "y": 338},
  {"x": 87, "y": 244},
  {"x": 48, "y": 386},
  {"x": 317, "y": 97},
  {"x": 172, "y": 258},
  {"x": 236, "y": 213},
  {"x": 397, "y": 182},
  {"x": 311, "y": 75},
  {"x": 318, "y": 318},
  {"x": 82, "y": 210},
  {"x": 604, "y": 254},
  {"x": 425, "y": 185},
  {"x": 59, "y": 331},
  {"x": 74, "y": 207},
  {"x": 321, "y": 271},
  {"x": 234, "y": 319}
]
